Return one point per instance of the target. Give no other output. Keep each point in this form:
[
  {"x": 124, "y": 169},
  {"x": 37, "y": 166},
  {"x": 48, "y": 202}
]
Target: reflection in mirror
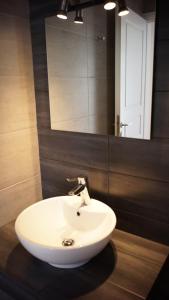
[
  {"x": 80, "y": 72},
  {"x": 100, "y": 73}
]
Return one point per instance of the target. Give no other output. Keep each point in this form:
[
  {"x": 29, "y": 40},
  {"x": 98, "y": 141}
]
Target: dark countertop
[{"x": 125, "y": 270}]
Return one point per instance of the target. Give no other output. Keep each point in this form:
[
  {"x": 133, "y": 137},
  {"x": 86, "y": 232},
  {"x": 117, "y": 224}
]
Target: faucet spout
[
  {"x": 76, "y": 190},
  {"x": 80, "y": 189}
]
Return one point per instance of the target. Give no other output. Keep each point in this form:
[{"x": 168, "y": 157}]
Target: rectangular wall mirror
[{"x": 100, "y": 73}]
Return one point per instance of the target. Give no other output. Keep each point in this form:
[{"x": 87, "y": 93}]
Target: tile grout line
[
  {"x": 102, "y": 169},
  {"x": 32, "y": 128},
  {"x": 125, "y": 289},
  {"x": 20, "y": 182}
]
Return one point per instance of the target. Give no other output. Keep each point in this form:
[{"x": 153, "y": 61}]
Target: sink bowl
[{"x": 52, "y": 231}]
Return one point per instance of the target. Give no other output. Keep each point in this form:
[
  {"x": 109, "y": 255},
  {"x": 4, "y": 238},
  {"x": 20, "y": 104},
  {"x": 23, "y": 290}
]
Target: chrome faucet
[{"x": 80, "y": 189}]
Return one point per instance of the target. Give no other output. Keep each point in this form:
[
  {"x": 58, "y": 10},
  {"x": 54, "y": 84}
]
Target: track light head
[
  {"x": 78, "y": 18},
  {"x": 109, "y": 4},
  {"x": 62, "y": 15},
  {"x": 62, "y": 9},
  {"x": 123, "y": 10}
]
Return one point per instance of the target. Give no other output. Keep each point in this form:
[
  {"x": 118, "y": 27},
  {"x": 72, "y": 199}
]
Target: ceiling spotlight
[
  {"x": 62, "y": 9},
  {"x": 78, "y": 18},
  {"x": 123, "y": 10},
  {"x": 109, "y": 4}
]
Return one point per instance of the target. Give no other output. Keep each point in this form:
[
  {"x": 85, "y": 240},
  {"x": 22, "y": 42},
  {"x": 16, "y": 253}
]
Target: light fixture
[
  {"x": 123, "y": 10},
  {"x": 109, "y": 4},
  {"x": 64, "y": 6},
  {"x": 62, "y": 9},
  {"x": 78, "y": 18}
]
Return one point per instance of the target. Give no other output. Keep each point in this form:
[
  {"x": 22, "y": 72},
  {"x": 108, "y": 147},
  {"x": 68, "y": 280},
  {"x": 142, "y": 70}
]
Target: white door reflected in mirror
[{"x": 134, "y": 75}]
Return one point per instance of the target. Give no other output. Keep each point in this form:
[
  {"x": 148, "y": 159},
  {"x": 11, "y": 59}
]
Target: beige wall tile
[
  {"x": 15, "y": 53},
  {"x": 17, "y": 103},
  {"x": 16, "y": 59},
  {"x": 98, "y": 124},
  {"x": 14, "y": 28},
  {"x": 96, "y": 21},
  {"x": 66, "y": 53},
  {"x": 76, "y": 125},
  {"x": 97, "y": 58},
  {"x": 68, "y": 99},
  {"x": 97, "y": 96},
  {"x": 15, "y": 198},
  {"x": 18, "y": 156}
]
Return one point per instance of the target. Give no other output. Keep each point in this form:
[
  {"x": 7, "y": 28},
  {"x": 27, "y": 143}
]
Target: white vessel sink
[{"x": 52, "y": 231}]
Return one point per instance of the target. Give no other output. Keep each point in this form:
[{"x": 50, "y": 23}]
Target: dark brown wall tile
[
  {"x": 42, "y": 8},
  {"x": 147, "y": 159},
  {"x": 38, "y": 35},
  {"x": 42, "y": 109},
  {"x": 163, "y": 24},
  {"x": 160, "y": 122},
  {"x": 141, "y": 196},
  {"x": 147, "y": 228},
  {"x": 162, "y": 66},
  {"x": 81, "y": 149}
]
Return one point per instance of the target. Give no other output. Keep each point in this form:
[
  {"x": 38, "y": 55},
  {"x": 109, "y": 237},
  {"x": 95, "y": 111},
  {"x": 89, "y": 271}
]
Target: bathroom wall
[
  {"x": 141, "y": 6},
  {"x": 19, "y": 159},
  {"x": 131, "y": 175},
  {"x": 137, "y": 6}
]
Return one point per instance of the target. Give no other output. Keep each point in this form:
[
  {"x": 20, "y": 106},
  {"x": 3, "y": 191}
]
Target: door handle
[{"x": 123, "y": 125}]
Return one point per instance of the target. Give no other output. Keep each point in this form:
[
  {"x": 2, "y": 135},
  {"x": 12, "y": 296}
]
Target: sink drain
[{"x": 67, "y": 242}]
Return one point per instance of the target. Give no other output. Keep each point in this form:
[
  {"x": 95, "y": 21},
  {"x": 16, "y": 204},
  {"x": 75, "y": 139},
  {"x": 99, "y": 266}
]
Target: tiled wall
[
  {"x": 20, "y": 183},
  {"x": 131, "y": 175}
]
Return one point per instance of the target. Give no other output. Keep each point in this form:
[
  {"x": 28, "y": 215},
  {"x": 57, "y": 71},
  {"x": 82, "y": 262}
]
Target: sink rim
[{"x": 56, "y": 247}]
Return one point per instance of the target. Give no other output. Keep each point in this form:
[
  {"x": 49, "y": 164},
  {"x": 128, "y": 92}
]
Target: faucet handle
[
  {"x": 82, "y": 180},
  {"x": 75, "y": 179},
  {"x": 79, "y": 179}
]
